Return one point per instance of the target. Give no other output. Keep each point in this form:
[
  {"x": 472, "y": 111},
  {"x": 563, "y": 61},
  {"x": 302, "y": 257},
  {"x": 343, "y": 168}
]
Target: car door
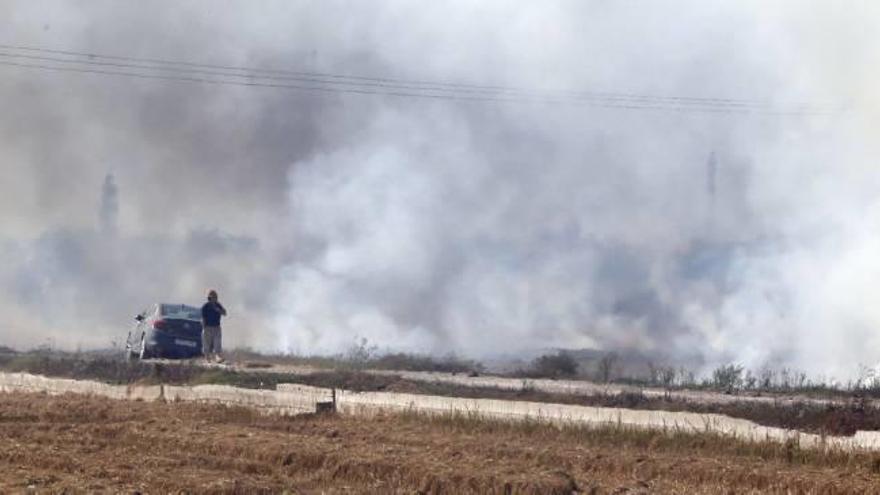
[
  {"x": 152, "y": 316},
  {"x": 132, "y": 331}
]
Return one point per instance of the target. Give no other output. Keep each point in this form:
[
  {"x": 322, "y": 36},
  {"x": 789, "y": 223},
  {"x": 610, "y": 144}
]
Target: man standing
[{"x": 211, "y": 341}]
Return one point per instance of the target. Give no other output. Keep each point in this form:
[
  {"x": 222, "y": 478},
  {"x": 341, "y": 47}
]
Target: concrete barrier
[
  {"x": 568, "y": 387},
  {"x": 25, "y": 382},
  {"x": 868, "y": 440},
  {"x": 294, "y": 400},
  {"x": 582, "y": 387},
  {"x": 348, "y": 402},
  {"x": 298, "y": 399}
]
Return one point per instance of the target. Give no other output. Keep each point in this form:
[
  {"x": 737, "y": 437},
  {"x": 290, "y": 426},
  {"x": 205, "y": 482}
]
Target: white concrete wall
[
  {"x": 25, "y": 382},
  {"x": 582, "y": 387},
  {"x": 296, "y": 399},
  {"x": 568, "y": 387},
  {"x": 372, "y": 402}
]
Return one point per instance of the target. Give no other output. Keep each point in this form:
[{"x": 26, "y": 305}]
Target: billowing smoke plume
[{"x": 437, "y": 225}]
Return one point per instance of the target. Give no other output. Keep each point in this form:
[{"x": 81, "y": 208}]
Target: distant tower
[
  {"x": 711, "y": 190},
  {"x": 109, "y": 209}
]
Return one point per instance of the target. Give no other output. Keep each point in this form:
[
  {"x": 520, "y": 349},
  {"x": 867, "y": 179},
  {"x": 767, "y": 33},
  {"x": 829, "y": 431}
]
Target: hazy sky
[{"x": 438, "y": 225}]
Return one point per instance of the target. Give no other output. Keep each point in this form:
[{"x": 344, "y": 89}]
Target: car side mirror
[{"x": 139, "y": 317}]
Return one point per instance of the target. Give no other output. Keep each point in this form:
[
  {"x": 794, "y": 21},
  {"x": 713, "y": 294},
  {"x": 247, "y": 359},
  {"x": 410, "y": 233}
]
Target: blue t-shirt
[{"x": 211, "y": 313}]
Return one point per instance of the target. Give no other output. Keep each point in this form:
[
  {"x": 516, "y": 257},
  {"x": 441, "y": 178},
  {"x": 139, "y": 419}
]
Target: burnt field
[
  {"x": 83, "y": 444},
  {"x": 844, "y": 416}
]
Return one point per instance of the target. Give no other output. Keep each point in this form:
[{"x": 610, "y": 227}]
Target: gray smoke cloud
[{"x": 479, "y": 228}]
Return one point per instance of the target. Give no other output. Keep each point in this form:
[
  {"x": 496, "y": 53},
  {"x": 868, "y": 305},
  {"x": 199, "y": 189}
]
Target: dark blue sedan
[{"x": 167, "y": 331}]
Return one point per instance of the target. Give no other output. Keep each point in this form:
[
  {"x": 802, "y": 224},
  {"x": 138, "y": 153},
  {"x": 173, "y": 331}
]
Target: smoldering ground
[{"x": 440, "y": 225}]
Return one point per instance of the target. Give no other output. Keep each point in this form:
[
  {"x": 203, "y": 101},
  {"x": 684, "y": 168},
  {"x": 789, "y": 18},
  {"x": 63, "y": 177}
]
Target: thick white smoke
[
  {"x": 413, "y": 238},
  {"x": 437, "y": 225},
  {"x": 600, "y": 231}
]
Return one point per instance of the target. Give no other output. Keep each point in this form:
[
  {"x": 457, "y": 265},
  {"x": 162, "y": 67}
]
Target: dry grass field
[{"x": 82, "y": 444}]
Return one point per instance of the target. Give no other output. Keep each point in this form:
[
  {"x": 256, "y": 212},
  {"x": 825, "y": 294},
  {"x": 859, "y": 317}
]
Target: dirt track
[{"x": 89, "y": 444}]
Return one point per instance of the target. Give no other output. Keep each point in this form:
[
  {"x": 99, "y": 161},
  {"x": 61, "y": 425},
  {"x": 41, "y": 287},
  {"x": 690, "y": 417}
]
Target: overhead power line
[
  {"x": 421, "y": 84},
  {"x": 162, "y": 69}
]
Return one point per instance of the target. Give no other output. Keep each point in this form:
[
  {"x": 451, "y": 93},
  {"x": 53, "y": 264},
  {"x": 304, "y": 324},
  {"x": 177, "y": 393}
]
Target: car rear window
[{"x": 181, "y": 311}]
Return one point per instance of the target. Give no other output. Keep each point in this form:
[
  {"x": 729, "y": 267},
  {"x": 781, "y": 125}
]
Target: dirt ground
[{"x": 81, "y": 444}]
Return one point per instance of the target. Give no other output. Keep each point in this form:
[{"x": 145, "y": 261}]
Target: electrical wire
[{"x": 148, "y": 68}]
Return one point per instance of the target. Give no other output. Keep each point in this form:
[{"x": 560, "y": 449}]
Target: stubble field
[{"x": 85, "y": 444}]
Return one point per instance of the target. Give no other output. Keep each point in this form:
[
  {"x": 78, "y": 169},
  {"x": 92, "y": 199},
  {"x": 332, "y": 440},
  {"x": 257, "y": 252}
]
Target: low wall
[
  {"x": 25, "y": 382},
  {"x": 298, "y": 399},
  {"x": 582, "y": 387},
  {"x": 373, "y": 402},
  {"x": 295, "y": 400}
]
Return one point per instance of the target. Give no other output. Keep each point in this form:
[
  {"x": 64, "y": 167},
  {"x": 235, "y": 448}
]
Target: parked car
[{"x": 166, "y": 330}]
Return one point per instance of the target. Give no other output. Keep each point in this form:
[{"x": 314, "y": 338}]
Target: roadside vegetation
[
  {"x": 727, "y": 378},
  {"x": 553, "y": 366},
  {"x": 603, "y": 368},
  {"x": 360, "y": 356}
]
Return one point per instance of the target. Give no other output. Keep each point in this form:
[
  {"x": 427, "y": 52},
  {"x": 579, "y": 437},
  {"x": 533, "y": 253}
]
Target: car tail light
[{"x": 160, "y": 325}]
